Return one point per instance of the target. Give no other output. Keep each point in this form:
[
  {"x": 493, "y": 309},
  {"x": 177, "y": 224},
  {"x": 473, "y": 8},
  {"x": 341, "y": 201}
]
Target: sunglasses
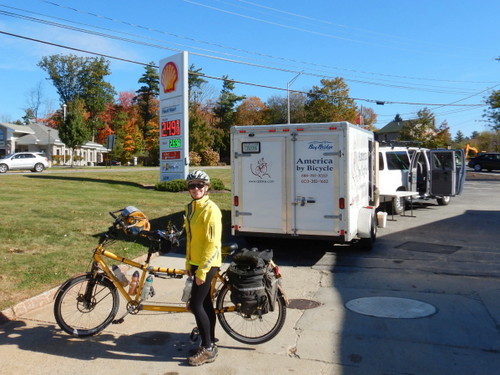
[{"x": 199, "y": 185}]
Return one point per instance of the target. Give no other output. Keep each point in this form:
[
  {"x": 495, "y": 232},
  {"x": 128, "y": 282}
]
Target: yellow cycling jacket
[{"x": 203, "y": 225}]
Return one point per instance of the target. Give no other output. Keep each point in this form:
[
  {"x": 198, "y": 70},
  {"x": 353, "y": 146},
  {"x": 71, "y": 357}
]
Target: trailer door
[
  {"x": 447, "y": 172},
  {"x": 260, "y": 184},
  {"x": 315, "y": 187}
]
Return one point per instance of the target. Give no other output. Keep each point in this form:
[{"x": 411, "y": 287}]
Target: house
[
  {"x": 36, "y": 137},
  {"x": 390, "y": 132}
]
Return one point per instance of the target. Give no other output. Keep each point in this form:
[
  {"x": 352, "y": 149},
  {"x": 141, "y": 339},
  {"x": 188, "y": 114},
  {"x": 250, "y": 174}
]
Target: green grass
[{"x": 51, "y": 222}]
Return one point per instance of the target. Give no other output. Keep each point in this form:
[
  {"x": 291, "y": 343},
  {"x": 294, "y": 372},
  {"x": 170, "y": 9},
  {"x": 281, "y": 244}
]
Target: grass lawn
[{"x": 51, "y": 221}]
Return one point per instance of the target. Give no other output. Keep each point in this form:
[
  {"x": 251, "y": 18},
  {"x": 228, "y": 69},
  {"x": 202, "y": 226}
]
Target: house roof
[
  {"x": 20, "y": 129},
  {"x": 42, "y": 135},
  {"x": 39, "y": 134},
  {"x": 393, "y": 127}
]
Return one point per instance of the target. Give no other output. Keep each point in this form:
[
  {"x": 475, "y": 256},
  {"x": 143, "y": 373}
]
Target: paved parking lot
[{"x": 445, "y": 256}]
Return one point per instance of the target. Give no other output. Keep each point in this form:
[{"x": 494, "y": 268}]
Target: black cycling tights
[{"x": 203, "y": 308}]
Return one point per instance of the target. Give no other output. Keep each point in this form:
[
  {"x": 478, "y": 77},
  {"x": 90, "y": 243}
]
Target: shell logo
[{"x": 169, "y": 77}]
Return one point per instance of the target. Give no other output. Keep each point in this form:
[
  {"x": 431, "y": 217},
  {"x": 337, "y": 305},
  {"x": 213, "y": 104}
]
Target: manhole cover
[
  {"x": 302, "y": 304},
  {"x": 425, "y": 247},
  {"x": 391, "y": 307}
]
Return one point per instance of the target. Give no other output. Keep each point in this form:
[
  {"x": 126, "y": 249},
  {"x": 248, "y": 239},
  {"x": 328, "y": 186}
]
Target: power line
[
  {"x": 77, "y": 29},
  {"x": 222, "y": 79},
  {"x": 115, "y": 20}
]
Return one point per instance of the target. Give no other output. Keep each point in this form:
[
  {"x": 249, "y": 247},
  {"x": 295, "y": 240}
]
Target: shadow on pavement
[
  {"x": 143, "y": 346},
  {"x": 441, "y": 264}
]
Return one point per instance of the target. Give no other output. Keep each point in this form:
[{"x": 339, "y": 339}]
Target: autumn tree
[
  {"x": 368, "y": 117},
  {"x": 331, "y": 102},
  {"x": 251, "y": 111}
]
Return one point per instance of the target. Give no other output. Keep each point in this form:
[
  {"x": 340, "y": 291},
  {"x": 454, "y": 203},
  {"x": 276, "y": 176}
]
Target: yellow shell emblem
[{"x": 169, "y": 77}]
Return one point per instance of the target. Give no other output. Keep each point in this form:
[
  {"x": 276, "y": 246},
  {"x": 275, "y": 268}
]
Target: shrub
[
  {"x": 210, "y": 157},
  {"x": 57, "y": 159},
  {"x": 171, "y": 186},
  {"x": 217, "y": 184},
  {"x": 194, "y": 158},
  {"x": 175, "y": 186}
]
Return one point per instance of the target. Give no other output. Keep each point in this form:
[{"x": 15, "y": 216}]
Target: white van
[{"x": 432, "y": 174}]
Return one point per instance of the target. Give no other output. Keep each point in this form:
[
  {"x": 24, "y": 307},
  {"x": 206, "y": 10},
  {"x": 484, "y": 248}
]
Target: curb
[{"x": 17, "y": 311}]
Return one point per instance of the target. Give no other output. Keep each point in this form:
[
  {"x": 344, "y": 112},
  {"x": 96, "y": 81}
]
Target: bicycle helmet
[
  {"x": 198, "y": 176},
  {"x": 135, "y": 221}
]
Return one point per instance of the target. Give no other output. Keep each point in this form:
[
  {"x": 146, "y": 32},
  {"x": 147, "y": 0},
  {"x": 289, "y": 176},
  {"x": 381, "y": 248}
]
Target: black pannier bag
[{"x": 254, "y": 286}]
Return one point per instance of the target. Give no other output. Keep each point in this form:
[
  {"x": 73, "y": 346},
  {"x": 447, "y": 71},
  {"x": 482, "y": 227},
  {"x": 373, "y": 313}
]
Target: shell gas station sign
[{"x": 174, "y": 120}]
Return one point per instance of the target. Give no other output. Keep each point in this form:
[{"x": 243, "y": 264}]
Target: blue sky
[{"x": 438, "y": 54}]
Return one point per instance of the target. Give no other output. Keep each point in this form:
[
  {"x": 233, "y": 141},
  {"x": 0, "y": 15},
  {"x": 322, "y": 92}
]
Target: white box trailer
[{"x": 315, "y": 181}]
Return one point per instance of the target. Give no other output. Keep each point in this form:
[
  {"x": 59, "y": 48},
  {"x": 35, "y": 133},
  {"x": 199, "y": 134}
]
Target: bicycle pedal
[
  {"x": 118, "y": 321},
  {"x": 195, "y": 334}
]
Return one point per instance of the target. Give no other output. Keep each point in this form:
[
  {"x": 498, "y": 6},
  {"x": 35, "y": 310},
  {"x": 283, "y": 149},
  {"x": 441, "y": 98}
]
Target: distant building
[
  {"x": 391, "y": 131},
  {"x": 40, "y": 138}
]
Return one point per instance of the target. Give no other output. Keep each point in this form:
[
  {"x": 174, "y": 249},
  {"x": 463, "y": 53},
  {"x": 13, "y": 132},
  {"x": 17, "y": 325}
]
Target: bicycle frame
[
  {"x": 134, "y": 303},
  {"x": 87, "y": 303}
]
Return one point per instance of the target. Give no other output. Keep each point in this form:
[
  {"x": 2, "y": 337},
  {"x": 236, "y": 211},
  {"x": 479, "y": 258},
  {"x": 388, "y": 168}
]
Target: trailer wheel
[{"x": 366, "y": 244}]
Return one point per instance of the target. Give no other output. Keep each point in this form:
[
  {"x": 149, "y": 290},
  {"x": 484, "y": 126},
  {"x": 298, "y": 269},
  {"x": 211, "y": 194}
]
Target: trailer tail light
[
  {"x": 341, "y": 203},
  {"x": 236, "y": 201},
  {"x": 272, "y": 130},
  {"x": 333, "y": 128}
]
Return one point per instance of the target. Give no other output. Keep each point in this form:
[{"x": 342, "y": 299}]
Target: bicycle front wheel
[
  {"x": 85, "y": 305},
  {"x": 250, "y": 329}
]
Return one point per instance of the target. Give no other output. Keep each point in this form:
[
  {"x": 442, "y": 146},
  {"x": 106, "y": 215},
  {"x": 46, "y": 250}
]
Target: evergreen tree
[
  {"x": 225, "y": 112},
  {"x": 147, "y": 98},
  {"x": 74, "y": 131},
  {"x": 493, "y": 112}
]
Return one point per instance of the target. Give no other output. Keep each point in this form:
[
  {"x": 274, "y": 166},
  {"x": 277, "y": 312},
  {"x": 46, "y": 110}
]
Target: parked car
[
  {"x": 34, "y": 161},
  {"x": 487, "y": 160}
]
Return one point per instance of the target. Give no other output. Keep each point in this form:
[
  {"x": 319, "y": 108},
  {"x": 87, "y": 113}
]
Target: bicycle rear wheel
[
  {"x": 85, "y": 305},
  {"x": 250, "y": 329}
]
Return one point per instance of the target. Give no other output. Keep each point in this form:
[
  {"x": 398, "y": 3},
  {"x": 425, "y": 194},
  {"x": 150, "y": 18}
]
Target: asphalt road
[{"x": 445, "y": 257}]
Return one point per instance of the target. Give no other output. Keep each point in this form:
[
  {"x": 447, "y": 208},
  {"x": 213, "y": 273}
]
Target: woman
[{"x": 203, "y": 225}]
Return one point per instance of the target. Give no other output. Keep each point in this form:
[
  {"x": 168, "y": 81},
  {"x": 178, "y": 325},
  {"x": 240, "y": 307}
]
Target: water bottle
[
  {"x": 186, "y": 293},
  {"x": 147, "y": 289},
  {"x": 132, "y": 289},
  {"x": 119, "y": 275}
]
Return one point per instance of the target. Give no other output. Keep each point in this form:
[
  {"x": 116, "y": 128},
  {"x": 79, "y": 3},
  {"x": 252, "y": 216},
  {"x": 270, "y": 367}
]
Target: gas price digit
[
  {"x": 174, "y": 143},
  {"x": 170, "y": 128}
]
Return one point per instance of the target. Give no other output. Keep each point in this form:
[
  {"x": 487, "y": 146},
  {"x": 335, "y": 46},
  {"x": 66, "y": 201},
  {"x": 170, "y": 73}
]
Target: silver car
[{"x": 33, "y": 161}]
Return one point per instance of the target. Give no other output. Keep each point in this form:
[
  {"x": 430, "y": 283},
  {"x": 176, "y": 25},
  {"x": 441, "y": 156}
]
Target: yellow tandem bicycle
[{"x": 86, "y": 304}]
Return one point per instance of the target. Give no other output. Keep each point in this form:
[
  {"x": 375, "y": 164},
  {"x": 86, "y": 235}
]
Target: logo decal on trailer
[
  {"x": 262, "y": 169},
  {"x": 321, "y": 145}
]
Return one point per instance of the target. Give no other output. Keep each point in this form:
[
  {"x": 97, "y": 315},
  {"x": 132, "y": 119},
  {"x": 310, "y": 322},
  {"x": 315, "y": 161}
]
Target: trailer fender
[{"x": 366, "y": 222}]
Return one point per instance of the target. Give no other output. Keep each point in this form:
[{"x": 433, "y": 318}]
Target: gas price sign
[
  {"x": 171, "y": 128},
  {"x": 174, "y": 143},
  {"x": 174, "y": 132}
]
